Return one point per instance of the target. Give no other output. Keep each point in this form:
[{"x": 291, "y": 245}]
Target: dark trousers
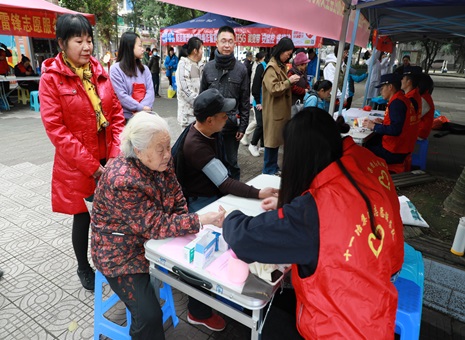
[
  {"x": 231, "y": 145},
  {"x": 80, "y": 239},
  {"x": 156, "y": 83},
  {"x": 170, "y": 79},
  {"x": 375, "y": 146},
  {"x": 349, "y": 103},
  {"x": 258, "y": 132},
  {"x": 138, "y": 295}
]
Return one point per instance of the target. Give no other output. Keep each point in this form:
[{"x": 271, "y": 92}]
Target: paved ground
[{"x": 40, "y": 295}]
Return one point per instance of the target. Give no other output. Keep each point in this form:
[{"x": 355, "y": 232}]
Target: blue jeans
[
  {"x": 231, "y": 145},
  {"x": 270, "y": 161}
]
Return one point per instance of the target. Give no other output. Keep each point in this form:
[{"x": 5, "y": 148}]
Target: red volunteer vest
[
  {"x": 415, "y": 94},
  {"x": 426, "y": 121},
  {"x": 405, "y": 142},
  {"x": 350, "y": 295}
]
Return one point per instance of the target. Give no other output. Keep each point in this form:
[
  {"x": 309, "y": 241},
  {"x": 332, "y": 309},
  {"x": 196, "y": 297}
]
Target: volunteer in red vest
[
  {"x": 335, "y": 223},
  {"x": 397, "y": 133},
  {"x": 409, "y": 85},
  {"x": 426, "y": 87}
]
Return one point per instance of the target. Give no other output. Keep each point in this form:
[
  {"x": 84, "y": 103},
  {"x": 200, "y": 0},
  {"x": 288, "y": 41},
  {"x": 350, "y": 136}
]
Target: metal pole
[
  {"x": 349, "y": 60},
  {"x": 342, "y": 39}
]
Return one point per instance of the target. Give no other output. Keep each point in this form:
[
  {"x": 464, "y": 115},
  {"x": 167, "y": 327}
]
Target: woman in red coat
[{"x": 83, "y": 119}]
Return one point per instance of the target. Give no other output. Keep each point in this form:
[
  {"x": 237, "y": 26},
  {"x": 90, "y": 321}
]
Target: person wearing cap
[
  {"x": 395, "y": 135},
  {"x": 299, "y": 66},
  {"x": 230, "y": 77},
  {"x": 139, "y": 198},
  {"x": 206, "y": 177},
  {"x": 409, "y": 85}
]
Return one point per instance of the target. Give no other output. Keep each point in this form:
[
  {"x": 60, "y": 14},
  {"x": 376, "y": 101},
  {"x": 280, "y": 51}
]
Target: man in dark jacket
[
  {"x": 154, "y": 66},
  {"x": 229, "y": 76}
]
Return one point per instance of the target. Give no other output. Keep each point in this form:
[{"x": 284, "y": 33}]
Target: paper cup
[{"x": 360, "y": 121}]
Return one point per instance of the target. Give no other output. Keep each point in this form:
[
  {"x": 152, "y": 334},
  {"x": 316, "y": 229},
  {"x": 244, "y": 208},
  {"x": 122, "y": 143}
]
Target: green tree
[{"x": 105, "y": 12}]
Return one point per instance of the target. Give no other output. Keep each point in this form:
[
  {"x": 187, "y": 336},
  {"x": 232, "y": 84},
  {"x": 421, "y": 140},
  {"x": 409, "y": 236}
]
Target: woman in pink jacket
[{"x": 83, "y": 119}]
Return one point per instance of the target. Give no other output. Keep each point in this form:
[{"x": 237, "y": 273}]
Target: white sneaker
[
  {"x": 244, "y": 140},
  {"x": 254, "y": 150}
]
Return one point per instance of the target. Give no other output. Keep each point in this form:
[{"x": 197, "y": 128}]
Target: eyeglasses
[{"x": 227, "y": 42}]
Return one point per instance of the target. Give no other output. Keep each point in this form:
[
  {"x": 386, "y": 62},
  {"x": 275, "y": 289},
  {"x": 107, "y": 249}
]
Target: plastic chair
[
  {"x": 23, "y": 95},
  {"x": 104, "y": 326},
  {"x": 413, "y": 268},
  {"x": 408, "y": 316},
  {"x": 420, "y": 154},
  {"x": 34, "y": 101},
  {"x": 101, "y": 324}
]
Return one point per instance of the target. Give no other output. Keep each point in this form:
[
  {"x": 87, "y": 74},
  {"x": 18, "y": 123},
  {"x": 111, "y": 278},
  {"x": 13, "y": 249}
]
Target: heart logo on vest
[
  {"x": 384, "y": 180},
  {"x": 372, "y": 239}
]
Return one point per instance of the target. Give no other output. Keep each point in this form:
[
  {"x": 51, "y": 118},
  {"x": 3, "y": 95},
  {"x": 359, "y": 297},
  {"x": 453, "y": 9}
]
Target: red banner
[
  {"x": 22, "y": 23},
  {"x": 268, "y": 37},
  {"x": 253, "y": 36}
]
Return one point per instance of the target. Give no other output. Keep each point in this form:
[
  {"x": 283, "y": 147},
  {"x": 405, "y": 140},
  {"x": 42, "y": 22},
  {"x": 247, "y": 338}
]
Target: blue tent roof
[
  {"x": 409, "y": 20},
  {"x": 208, "y": 20}
]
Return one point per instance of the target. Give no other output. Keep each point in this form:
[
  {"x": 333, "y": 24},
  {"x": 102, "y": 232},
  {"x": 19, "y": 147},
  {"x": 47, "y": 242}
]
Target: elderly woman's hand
[
  {"x": 215, "y": 218},
  {"x": 268, "y": 192}
]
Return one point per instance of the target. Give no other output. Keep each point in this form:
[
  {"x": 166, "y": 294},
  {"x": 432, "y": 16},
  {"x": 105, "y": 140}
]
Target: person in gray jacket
[{"x": 230, "y": 77}]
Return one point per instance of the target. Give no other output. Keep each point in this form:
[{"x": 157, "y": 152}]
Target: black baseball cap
[
  {"x": 210, "y": 102},
  {"x": 390, "y": 78}
]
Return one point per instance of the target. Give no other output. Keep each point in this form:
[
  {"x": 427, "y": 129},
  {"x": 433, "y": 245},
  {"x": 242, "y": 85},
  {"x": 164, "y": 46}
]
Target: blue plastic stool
[
  {"x": 413, "y": 268},
  {"x": 408, "y": 316},
  {"x": 116, "y": 332},
  {"x": 101, "y": 324},
  {"x": 420, "y": 154},
  {"x": 168, "y": 307},
  {"x": 34, "y": 101}
]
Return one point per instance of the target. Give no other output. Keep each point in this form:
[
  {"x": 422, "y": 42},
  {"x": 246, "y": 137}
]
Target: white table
[
  {"x": 359, "y": 134},
  {"x": 172, "y": 261},
  {"x": 4, "y": 79}
]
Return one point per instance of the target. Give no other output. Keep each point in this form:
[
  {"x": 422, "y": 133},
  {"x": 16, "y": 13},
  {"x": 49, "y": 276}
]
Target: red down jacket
[{"x": 70, "y": 122}]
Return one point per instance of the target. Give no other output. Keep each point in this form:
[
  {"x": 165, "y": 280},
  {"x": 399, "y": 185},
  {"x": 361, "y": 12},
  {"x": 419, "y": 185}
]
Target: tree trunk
[{"x": 455, "y": 202}]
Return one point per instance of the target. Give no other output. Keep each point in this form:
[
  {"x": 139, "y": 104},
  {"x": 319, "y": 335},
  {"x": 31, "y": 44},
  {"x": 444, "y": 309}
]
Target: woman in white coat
[{"x": 375, "y": 66}]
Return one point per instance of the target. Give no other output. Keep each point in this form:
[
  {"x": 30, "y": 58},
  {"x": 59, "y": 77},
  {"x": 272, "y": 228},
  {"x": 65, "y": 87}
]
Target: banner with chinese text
[
  {"x": 253, "y": 36},
  {"x": 23, "y": 23}
]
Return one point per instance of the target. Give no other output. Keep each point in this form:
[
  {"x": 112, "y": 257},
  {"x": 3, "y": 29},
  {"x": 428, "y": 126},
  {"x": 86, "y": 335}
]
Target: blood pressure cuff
[{"x": 216, "y": 171}]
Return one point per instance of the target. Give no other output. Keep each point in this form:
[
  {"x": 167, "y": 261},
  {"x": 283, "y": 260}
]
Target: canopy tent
[
  {"x": 32, "y": 18},
  {"x": 262, "y": 35},
  {"x": 410, "y": 20},
  {"x": 205, "y": 27},
  {"x": 321, "y": 18}
]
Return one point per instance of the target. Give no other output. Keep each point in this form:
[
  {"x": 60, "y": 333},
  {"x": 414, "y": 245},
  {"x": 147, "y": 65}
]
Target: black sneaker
[{"x": 87, "y": 278}]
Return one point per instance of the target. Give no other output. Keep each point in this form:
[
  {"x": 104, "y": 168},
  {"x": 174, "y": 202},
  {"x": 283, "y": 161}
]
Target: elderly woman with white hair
[{"x": 138, "y": 198}]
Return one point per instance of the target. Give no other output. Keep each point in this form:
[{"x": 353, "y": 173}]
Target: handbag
[{"x": 297, "y": 107}]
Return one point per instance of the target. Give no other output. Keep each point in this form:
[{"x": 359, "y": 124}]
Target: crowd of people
[{"x": 324, "y": 219}]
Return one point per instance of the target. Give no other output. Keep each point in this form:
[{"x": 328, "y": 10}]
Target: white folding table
[{"x": 168, "y": 254}]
